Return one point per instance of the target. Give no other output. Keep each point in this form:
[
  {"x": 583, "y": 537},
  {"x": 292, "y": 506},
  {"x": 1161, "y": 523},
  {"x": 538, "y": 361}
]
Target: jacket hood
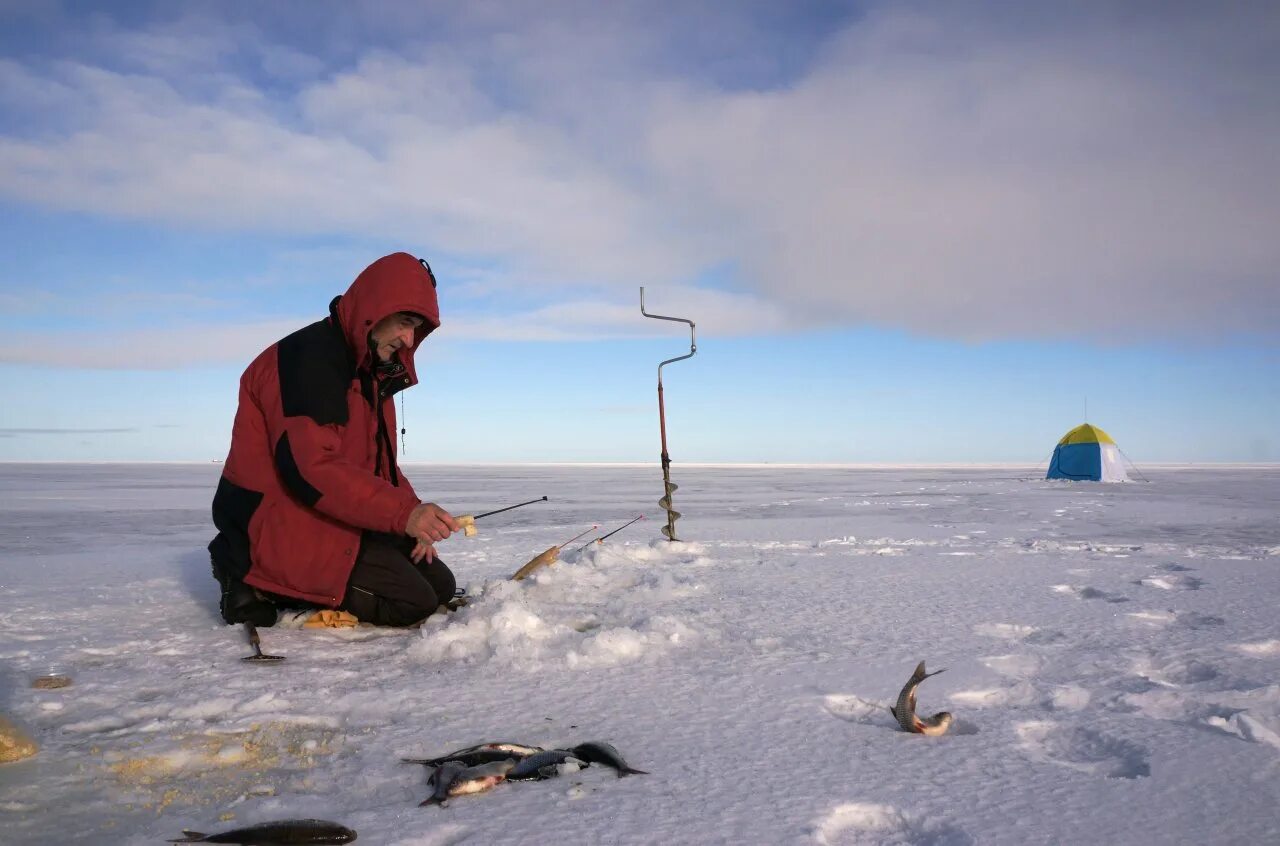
[{"x": 398, "y": 282}]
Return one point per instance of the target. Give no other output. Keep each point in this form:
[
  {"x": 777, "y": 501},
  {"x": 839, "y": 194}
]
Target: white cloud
[
  {"x": 506, "y": 187},
  {"x": 995, "y": 189},
  {"x": 1092, "y": 175},
  {"x": 190, "y": 344},
  {"x": 171, "y": 348},
  {"x": 716, "y": 313}
]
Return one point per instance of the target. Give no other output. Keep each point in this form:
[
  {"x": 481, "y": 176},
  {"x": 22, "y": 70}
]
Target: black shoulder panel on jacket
[
  {"x": 315, "y": 372},
  {"x": 292, "y": 476},
  {"x": 233, "y": 508}
]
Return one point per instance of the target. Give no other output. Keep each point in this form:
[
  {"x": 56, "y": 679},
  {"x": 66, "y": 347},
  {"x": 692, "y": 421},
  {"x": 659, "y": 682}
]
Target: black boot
[{"x": 241, "y": 603}]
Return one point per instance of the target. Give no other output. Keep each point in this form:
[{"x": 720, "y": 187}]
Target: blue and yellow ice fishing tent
[{"x": 1087, "y": 453}]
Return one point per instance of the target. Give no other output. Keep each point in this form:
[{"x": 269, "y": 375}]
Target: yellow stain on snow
[{"x": 212, "y": 769}]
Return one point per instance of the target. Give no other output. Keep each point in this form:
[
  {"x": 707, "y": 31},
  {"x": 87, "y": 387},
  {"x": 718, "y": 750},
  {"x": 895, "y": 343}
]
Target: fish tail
[{"x": 631, "y": 771}]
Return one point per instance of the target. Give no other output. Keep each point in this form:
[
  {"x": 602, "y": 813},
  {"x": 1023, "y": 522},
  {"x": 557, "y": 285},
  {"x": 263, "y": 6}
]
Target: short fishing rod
[
  {"x": 547, "y": 558},
  {"x": 578, "y": 535},
  {"x": 468, "y": 521},
  {"x": 509, "y": 507},
  {"x": 601, "y": 539}
]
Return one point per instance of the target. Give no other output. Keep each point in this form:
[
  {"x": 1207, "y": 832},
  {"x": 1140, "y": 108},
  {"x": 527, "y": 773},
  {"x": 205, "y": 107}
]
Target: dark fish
[
  {"x": 471, "y": 759},
  {"x": 541, "y": 765},
  {"x": 482, "y": 753},
  {"x": 599, "y": 752},
  {"x": 283, "y": 833},
  {"x": 905, "y": 711}
]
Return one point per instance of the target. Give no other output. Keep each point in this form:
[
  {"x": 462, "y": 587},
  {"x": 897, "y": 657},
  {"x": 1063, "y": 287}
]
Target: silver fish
[
  {"x": 283, "y": 833},
  {"x": 905, "y": 711},
  {"x": 541, "y": 765},
  {"x": 481, "y": 778},
  {"x": 599, "y": 752}
]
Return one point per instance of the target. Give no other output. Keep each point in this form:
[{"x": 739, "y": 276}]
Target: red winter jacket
[{"x": 313, "y": 456}]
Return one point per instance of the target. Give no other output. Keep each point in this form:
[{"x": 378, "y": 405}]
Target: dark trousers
[{"x": 387, "y": 588}]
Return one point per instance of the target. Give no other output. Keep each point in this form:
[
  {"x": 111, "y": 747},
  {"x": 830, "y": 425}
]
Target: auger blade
[{"x": 665, "y": 502}]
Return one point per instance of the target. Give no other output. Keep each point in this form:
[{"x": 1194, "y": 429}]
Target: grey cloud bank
[
  {"x": 1076, "y": 173},
  {"x": 9, "y": 433}
]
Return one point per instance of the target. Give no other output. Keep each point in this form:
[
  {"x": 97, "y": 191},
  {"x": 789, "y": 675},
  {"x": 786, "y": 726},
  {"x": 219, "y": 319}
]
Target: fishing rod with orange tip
[
  {"x": 467, "y": 522},
  {"x": 601, "y": 539},
  {"x": 547, "y": 558}
]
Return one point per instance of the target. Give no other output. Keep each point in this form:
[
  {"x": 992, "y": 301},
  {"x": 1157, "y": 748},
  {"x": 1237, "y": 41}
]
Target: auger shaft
[{"x": 665, "y": 503}]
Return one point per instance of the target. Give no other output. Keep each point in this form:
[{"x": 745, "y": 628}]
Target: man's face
[{"x": 393, "y": 332}]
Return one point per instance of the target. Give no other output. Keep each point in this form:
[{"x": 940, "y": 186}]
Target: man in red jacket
[{"x": 311, "y": 509}]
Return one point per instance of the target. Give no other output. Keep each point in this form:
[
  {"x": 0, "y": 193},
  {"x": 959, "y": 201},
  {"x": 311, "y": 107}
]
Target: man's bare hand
[
  {"x": 430, "y": 523},
  {"x": 422, "y": 551}
]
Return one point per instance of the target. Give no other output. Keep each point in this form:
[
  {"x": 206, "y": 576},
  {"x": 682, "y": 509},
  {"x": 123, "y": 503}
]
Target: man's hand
[
  {"x": 429, "y": 523},
  {"x": 422, "y": 551}
]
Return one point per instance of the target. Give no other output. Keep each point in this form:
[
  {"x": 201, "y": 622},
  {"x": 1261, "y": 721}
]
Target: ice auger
[{"x": 665, "y": 503}]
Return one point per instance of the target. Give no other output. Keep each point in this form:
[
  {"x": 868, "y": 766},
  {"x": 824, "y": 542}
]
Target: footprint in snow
[
  {"x": 1171, "y": 582},
  {"x": 855, "y": 709},
  {"x": 1176, "y": 673},
  {"x": 1006, "y": 631},
  {"x": 1186, "y": 619},
  {"x": 1245, "y": 727},
  {"x": 1199, "y": 712},
  {"x": 1018, "y": 666},
  {"x": 1021, "y": 692},
  {"x": 1067, "y": 697},
  {"x": 869, "y": 823},
  {"x": 1018, "y": 694},
  {"x": 1083, "y": 750},
  {"x": 1044, "y": 637},
  {"x": 1088, "y": 593},
  {"x": 447, "y": 835},
  {"x": 1192, "y": 620},
  {"x": 1153, "y": 618},
  {"x": 1259, "y": 649}
]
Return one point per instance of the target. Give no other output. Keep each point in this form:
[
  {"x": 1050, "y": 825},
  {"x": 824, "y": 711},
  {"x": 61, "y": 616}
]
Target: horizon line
[{"x": 865, "y": 465}]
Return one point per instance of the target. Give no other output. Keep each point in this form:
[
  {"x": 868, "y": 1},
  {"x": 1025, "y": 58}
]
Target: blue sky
[{"x": 909, "y": 232}]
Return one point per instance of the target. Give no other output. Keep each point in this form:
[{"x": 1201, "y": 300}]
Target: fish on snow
[
  {"x": 905, "y": 710},
  {"x": 282, "y": 833}
]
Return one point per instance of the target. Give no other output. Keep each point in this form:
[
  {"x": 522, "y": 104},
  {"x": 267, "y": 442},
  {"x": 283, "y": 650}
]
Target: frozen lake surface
[{"x": 1112, "y": 655}]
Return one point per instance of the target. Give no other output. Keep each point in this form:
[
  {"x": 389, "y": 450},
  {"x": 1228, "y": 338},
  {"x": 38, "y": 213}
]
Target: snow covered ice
[{"x": 1112, "y": 655}]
